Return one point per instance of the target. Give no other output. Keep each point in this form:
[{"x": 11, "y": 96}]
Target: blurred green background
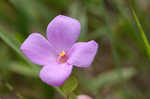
[{"x": 121, "y": 69}]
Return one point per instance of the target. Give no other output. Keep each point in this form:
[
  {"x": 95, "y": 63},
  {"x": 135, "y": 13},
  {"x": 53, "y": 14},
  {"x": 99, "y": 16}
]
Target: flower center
[{"x": 62, "y": 58}]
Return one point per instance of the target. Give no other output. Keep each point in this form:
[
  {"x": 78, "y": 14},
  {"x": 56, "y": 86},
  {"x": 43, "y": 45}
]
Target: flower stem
[{"x": 67, "y": 96}]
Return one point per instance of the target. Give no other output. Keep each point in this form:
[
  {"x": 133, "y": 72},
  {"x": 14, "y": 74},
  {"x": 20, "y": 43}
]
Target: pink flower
[
  {"x": 59, "y": 52},
  {"x": 82, "y": 96}
]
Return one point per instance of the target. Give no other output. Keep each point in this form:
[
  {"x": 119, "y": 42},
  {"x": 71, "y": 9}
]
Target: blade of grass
[
  {"x": 143, "y": 36},
  {"x": 13, "y": 44}
]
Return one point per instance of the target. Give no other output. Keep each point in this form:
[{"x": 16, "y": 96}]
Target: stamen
[
  {"x": 62, "y": 53},
  {"x": 62, "y": 58}
]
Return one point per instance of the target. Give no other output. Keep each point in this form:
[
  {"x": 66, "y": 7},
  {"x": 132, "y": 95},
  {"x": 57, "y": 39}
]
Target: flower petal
[
  {"x": 82, "y": 53},
  {"x": 55, "y": 74},
  {"x": 38, "y": 50},
  {"x": 62, "y": 32}
]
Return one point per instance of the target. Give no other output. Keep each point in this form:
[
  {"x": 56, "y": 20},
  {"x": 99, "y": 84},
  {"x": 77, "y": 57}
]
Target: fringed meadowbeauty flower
[{"x": 59, "y": 52}]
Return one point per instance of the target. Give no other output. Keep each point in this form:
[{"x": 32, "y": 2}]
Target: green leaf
[
  {"x": 106, "y": 79},
  {"x": 143, "y": 36},
  {"x": 70, "y": 85}
]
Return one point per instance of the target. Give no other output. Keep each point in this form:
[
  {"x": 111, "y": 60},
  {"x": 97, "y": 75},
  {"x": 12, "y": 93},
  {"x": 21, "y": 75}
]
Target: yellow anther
[
  {"x": 62, "y": 58},
  {"x": 62, "y": 53}
]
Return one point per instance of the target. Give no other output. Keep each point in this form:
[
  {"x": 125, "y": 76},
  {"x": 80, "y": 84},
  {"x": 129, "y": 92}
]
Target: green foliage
[
  {"x": 110, "y": 78},
  {"x": 70, "y": 85},
  {"x": 72, "y": 96}
]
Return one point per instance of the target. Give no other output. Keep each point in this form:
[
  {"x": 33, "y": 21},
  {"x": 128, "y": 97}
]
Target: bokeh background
[{"x": 121, "y": 69}]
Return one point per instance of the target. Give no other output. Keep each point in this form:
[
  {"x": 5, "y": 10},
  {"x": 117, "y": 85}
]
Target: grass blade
[
  {"x": 13, "y": 44},
  {"x": 143, "y": 36}
]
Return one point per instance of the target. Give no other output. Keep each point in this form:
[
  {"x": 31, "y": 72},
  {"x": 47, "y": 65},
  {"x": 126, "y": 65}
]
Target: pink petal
[
  {"x": 82, "y": 53},
  {"x": 55, "y": 74},
  {"x": 38, "y": 50},
  {"x": 62, "y": 32}
]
